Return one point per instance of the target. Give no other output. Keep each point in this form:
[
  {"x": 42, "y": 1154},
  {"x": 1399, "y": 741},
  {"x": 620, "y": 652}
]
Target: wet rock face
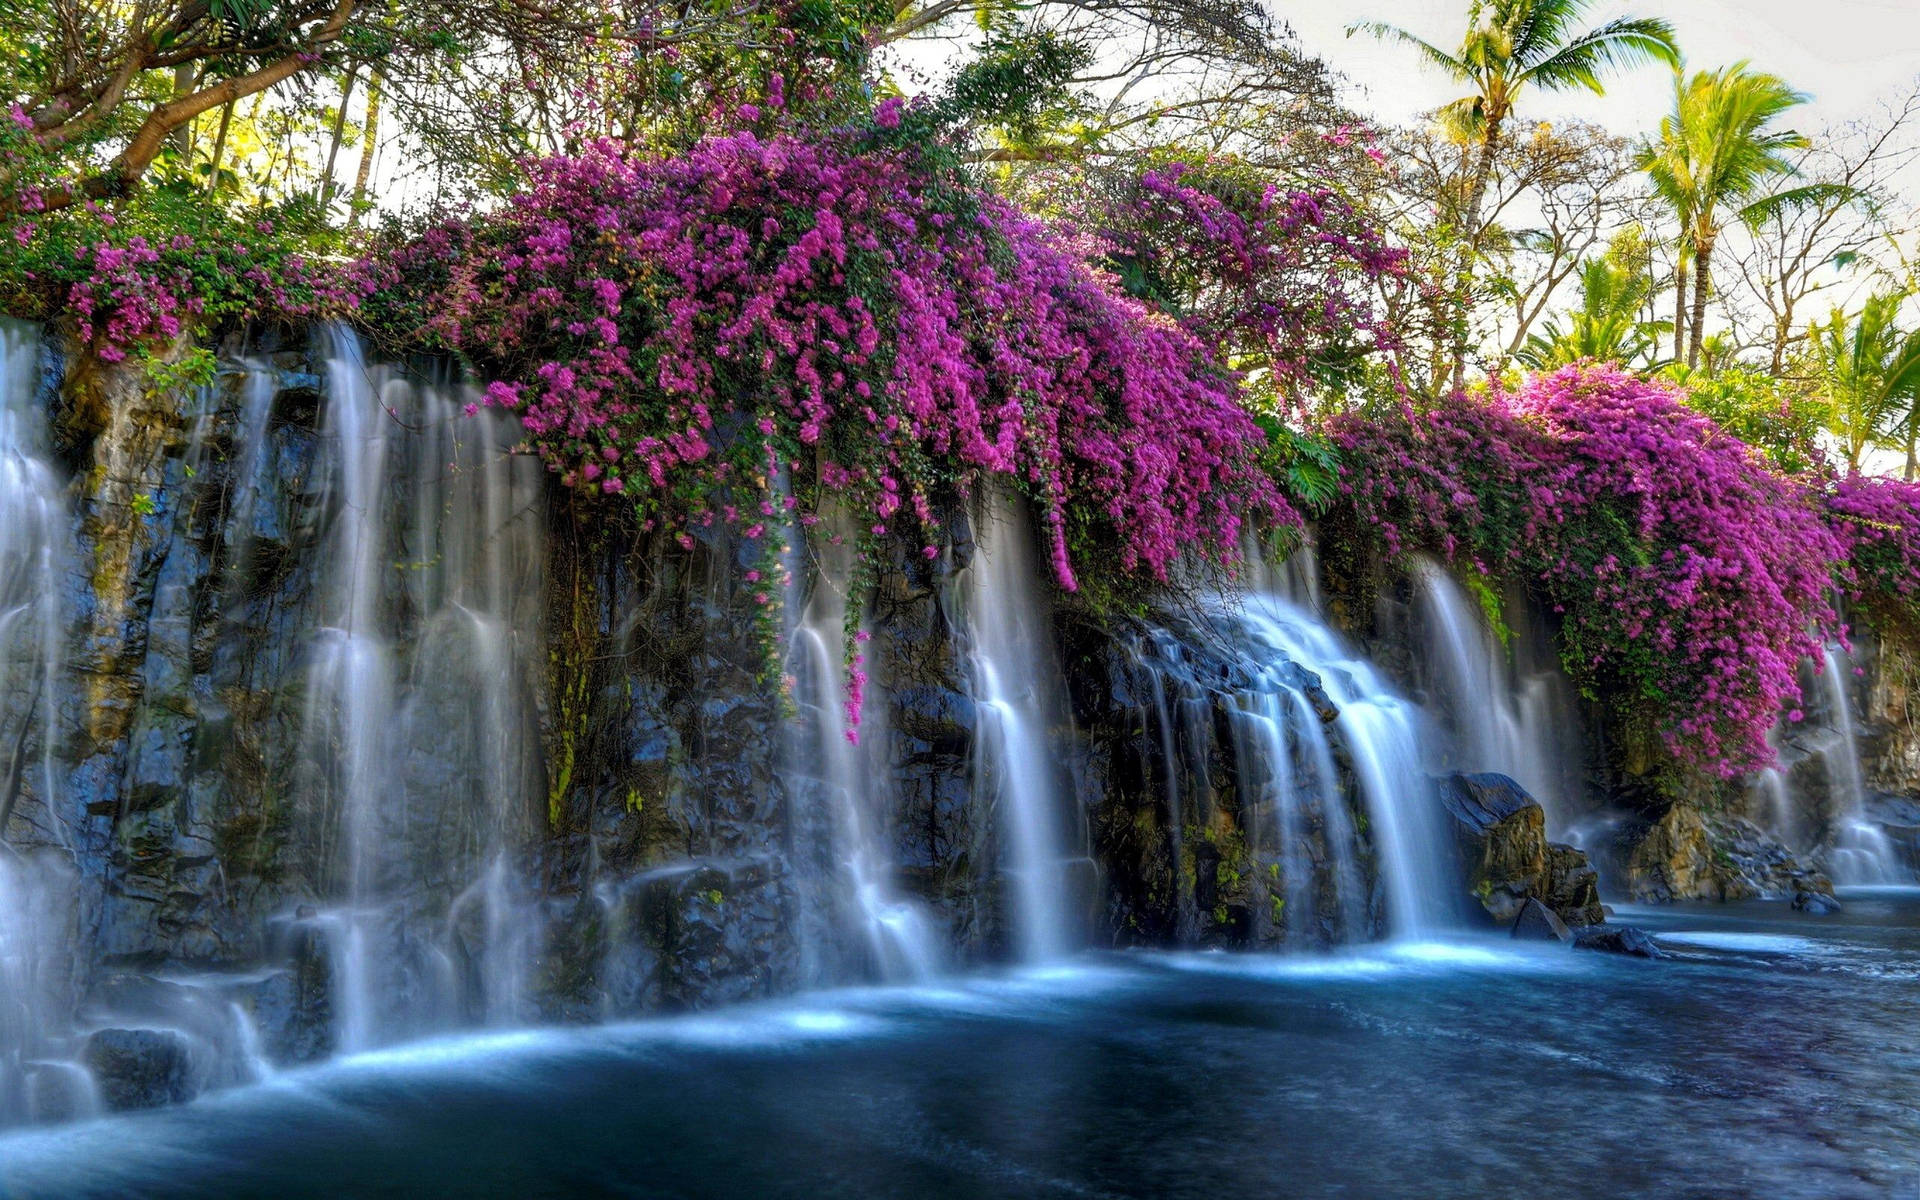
[
  {"x": 1891, "y": 659},
  {"x": 1506, "y": 860},
  {"x": 945, "y": 842},
  {"x": 667, "y": 880},
  {"x": 139, "y": 1068}
]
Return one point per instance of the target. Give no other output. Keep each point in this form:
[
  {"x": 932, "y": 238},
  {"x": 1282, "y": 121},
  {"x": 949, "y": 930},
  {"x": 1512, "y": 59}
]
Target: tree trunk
[
  {"x": 1702, "y": 280},
  {"x": 369, "y": 139},
  {"x": 185, "y": 77},
  {"x": 339, "y": 128},
  {"x": 1913, "y": 435},
  {"x": 1680, "y": 301},
  {"x": 1470, "y": 249},
  {"x": 219, "y": 148}
]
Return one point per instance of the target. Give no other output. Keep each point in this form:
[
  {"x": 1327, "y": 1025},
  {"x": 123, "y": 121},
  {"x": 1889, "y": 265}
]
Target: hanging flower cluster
[
  {"x": 1879, "y": 522},
  {"x": 1689, "y": 574},
  {"x": 1283, "y": 278},
  {"x": 683, "y": 331}
]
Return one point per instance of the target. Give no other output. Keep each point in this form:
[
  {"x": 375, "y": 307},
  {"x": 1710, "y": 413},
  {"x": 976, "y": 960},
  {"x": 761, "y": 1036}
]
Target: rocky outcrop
[
  {"x": 1202, "y": 838},
  {"x": 1891, "y": 703},
  {"x": 1684, "y": 855},
  {"x": 1538, "y": 923},
  {"x": 1506, "y": 860}
]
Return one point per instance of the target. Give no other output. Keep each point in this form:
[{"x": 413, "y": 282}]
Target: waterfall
[
  {"x": 1017, "y": 690},
  {"x": 850, "y": 766},
  {"x": 1501, "y": 718},
  {"x": 1294, "y": 810},
  {"x": 1298, "y": 702},
  {"x": 32, "y": 530},
  {"x": 1378, "y": 729},
  {"x": 420, "y": 731},
  {"x": 1860, "y": 851},
  {"x": 38, "y": 902}
]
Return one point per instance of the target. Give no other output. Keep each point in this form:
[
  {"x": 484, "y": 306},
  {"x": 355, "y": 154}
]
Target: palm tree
[
  {"x": 1510, "y": 45},
  {"x": 1869, "y": 372},
  {"x": 1718, "y": 151},
  {"x": 1607, "y": 326}
]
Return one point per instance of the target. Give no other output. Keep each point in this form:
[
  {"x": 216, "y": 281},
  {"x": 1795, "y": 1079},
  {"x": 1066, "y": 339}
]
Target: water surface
[{"x": 1772, "y": 1055}]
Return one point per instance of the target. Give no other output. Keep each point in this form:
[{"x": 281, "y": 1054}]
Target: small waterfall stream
[
  {"x": 850, "y": 764},
  {"x": 1379, "y": 729},
  {"x": 1016, "y": 680},
  {"x": 1501, "y": 717},
  {"x": 421, "y": 738},
  {"x": 1860, "y": 851},
  {"x": 38, "y": 910},
  {"x": 1299, "y": 702}
]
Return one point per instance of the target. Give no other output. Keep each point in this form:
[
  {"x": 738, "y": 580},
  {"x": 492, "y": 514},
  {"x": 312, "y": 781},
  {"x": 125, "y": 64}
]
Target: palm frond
[
  {"x": 1616, "y": 46},
  {"x": 1435, "y": 56}
]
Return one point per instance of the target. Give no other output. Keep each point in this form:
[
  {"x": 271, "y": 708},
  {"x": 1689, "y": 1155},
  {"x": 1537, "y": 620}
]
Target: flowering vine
[
  {"x": 680, "y": 331},
  {"x": 1878, "y": 520},
  {"x": 1690, "y": 576}
]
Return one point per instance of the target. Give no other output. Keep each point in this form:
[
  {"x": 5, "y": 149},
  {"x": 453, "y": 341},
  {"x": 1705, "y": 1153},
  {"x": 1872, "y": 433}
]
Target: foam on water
[{"x": 1758, "y": 943}]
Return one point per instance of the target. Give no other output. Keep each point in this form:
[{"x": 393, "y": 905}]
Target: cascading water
[
  {"x": 1294, "y": 809},
  {"x": 1379, "y": 731},
  {"x": 1860, "y": 852},
  {"x": 423, "y": 765},
  {"x": 32, "y": 526},
  {"x": 900, "y": 941},
  {"x": 1016, "y": 682},
  {"x": 1501, "y": 718},
  {"x": 1298, "y": 702},
  {"x": 37, "y": 901}
]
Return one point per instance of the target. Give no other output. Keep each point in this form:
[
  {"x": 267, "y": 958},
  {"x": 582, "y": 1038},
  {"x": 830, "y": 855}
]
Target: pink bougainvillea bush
[
  {"x": 1280, "y": 278},
  {"x": 1691, "y": 577},
  {"x": 133, "y": 277},
  {"x": 1878, "y": 520},
  {"x": 834, "y": 310}
]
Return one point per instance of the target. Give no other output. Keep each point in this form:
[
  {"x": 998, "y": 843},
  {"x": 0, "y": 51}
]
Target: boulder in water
[
  {"x": 1617, "y": 939},
  {"x": 1538, "y": 923},
  {"x": 1817, "y": 904},
  {"x": 139, "y": 1068},
  {"x": 1501, "y": 834}
]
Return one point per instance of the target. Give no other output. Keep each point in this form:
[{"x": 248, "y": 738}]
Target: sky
[{"x": 1847, "y": 54}]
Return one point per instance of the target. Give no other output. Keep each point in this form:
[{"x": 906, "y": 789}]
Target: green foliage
[
  {"x": 1773, "y": 416},
  {"x": 1305, "y": 465},
  {"x": 194, "y": 368},
  {"x": 1867, "y": 369},
  {"x": 1609, "y": 325},
  {"x": 1020, "y": 84},
  {"x": 1487, "y": 596}
]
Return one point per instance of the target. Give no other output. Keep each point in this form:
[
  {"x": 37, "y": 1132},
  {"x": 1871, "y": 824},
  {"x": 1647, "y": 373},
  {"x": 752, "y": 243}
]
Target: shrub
[{"x": 1691, "y": 577}]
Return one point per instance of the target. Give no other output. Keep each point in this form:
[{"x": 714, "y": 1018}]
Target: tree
[
  {"x": 103, "y": 81},
  {"x": 1800, "y": 252},
  {"x": 1609, "y": 325},
  {"x": 102, "y": 90},
  {"x": 1720, "y": 150},
  {"x": 1220, "y": 74},
  {"x": 1868, "y": 369},
  {"x": 1510, "y": 45}
]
